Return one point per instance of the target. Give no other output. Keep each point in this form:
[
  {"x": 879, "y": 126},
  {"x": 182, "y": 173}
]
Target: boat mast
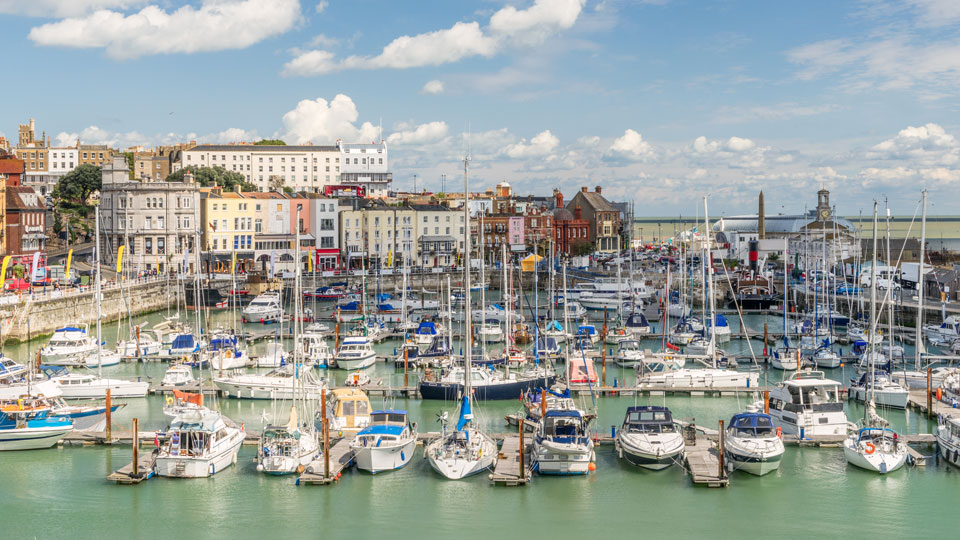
[
  {"x": 96, "y": 227},
  {"x": 468, "y": 349},
  {"x": 709, "y": 267},
  {"x": 923, "y": 239},
  {"x": 873, "y": 318},
  {"x": 483, "y": 287},
  {"x": 296, "y": 316},
  {"x": 888, "y": 297}
]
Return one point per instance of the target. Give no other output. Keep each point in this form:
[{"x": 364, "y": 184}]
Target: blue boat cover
[
  {"x": 563, "y": 413},
  {"x": 380, "y": 429}
]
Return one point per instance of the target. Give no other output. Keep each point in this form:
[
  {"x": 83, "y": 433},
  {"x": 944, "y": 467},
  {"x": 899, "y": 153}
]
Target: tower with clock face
[{"x": 823, "y": 205}]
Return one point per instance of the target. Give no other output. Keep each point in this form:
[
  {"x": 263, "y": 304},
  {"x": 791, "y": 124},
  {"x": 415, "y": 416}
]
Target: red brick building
[
  {"x": 569, "y": 228},
  {"x": 25, "y": 221},
  {"x": 11, "y": 170}
]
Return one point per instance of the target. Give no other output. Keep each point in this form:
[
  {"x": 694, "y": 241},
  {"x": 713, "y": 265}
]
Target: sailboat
[
  {"x": 874, "y": 446},
  {"x": 285, "y": 449},
  {"x": 466, "y": 450},
  {"x": 786, "y": 358}
]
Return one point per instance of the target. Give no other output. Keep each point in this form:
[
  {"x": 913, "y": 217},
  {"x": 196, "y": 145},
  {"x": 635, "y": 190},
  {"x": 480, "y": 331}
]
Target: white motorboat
[
  {"x": 649, "y": 438},
  {"x": 274, "y": 356},
  {"x": 562, "y": 445},
  {"x": 665, "y": 374},
  {"x": 947, "y": 332},
  {"x": 285, "y": 449},
  {"x": 885, "y": 392},
  {"x": 178, "y": 375},
  {"x": 276, "y": 384},
  {"x": 948, "y": 439},
  {"x": 875, "y": 449},
  {"x": 751, "y": 444},
  {"x": 142, "y": 346},
  {"x": 11, "y": 371},
  {"x": 267, "y": 307},
  {"x": 637, "y": 324},
  {"x": 917, "y": 380},
  {"x": 225, "y": 352},
  {"x": 490, "y": 332},
  {"x": 106, "y": 358},
  {"x": 786, "y": 359},
  {"x": 629, "y": 353},
  {"x": 425, "y": 333},
  {"x": 68, "y": 346},
  {"x": 808, "y": 403},
  {"x": 314, "y": 350},
  {"x": 856, "y": 333},
  {"x": 826, "y": 358},
  {"x": 387, "y": 443},
  {"x": 89, "y": 386},
  {"x": 199, "y": 443},
  {"x": 354, "y": 353}
]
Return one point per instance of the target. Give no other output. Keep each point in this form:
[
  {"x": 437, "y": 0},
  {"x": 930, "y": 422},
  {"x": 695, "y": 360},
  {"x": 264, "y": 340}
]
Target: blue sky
[{"x": 659, "y": 101}]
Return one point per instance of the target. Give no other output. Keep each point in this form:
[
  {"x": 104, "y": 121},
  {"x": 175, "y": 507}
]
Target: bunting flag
[
  {"x": 66, "y": 272},
  {"x": 3, "y": 270},
  {"x": 120, "y": 259},
  {"x": 389, "y": 258}
]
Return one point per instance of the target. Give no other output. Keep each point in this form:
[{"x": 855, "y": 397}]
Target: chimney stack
[
  {"x": 598, "y": 189},
  {"x": 558, "y": 197},
  {"x": 583, "y": 189}
]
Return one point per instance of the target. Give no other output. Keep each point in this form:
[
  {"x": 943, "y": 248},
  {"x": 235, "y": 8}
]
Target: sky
[{"x": 661, "y": 102}]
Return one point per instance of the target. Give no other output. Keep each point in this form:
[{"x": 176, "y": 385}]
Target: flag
[
  {"x": 66, "y": 271},
  {"x": 120, "y": 259},
  {"x": 310, "y": 261},
  {"x": 3, "y": 270},
  {"x": 36, "y": 266},
  {"x": 389, "y": 258},
  {"x": 213, "y": 226}
]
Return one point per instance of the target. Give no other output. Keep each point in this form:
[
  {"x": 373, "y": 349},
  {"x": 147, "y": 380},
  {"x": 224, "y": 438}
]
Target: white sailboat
[{"x": 466, "y": 450}]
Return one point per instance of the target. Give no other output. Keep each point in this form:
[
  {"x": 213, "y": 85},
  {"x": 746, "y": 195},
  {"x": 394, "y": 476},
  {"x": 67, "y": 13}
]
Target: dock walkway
[
  {"x": 509, "y": 471},
  {"x": 341, "y": 457},
  {"x": 703, "y": 458},
  {"x": 125, "y": 474}
]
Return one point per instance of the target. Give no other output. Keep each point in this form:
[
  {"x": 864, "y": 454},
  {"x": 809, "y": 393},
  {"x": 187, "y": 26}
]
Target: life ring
[
  {"x": 169, "y": 400},
  {"x": 869, "y": 448}
]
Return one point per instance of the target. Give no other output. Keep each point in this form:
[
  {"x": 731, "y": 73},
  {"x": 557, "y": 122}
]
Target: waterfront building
[
  {"x": 378, "y": 233},
  {"x": 11, "y": 173},
  {"x": 323, "y": 216},
  {"x": 156, "y": 220},
  {"x": 366, "y": 165},
  {"x": 571, "y": 231},
  {"x": 228, "y": 222},
  {"x": 439, "y": 234},
  {"x": 299, "y": 167},
  {"x": 24, "y": 221},
  {"x": 602, "y": 216}
]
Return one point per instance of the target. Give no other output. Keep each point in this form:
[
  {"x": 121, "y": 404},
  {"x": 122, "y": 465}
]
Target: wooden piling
[
  {"x": 523, "y": 467},
  {"x": 765, "y": 342},
  {"x": 721, "y": 472},
  {"x": 766, "y": 402},
  {"x": 406, "y": 359},
  {"x": 326, "y": 433},
  {"x": 136, "y": 443},
  {"x": 543, "y": 404},
  {"x": 929, "y": 391},
  {"x": 109, "y": 427}
]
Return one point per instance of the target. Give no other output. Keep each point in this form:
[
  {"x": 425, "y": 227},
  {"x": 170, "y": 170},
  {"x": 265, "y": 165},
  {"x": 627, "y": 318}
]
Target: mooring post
[
  {"x": 721, "y": 473},
  {"x": 136, "y": 447},
  {"x": 326, "y": 434},
  {"x": 109, "y": 417},
  {"x": 523, "y": 466}
]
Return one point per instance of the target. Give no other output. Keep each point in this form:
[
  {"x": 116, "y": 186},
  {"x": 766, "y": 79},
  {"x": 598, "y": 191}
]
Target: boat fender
[
  {"x": 213, "y": 469},
  {"x": 869, "y": 448},
  {"x": 779, "y": 432},
  {"x": 939, "y": 394},
  {"x": 402, "y": 456}
]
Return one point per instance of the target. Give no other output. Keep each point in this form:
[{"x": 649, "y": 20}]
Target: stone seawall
[{"x": 48, "y": 313}]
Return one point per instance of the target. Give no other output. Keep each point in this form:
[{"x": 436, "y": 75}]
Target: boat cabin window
[
  {"x": 562, "y": 427},
  {"x": 763, "y": 429},
  {"x": 390, "y": 417}
]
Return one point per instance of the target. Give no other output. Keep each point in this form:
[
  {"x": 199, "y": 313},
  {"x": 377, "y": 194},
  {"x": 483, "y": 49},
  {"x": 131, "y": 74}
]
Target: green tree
[
  {"x": 580, "y": 249},
  {"x": 19, "y": 271},
  {"x": 270, "y": 142},
  {"x": 78, "y": 184},
  {"x": 276, "y": 182},
  {"x": 213, "y": 176},
  {"x": 129, "y": 156}
]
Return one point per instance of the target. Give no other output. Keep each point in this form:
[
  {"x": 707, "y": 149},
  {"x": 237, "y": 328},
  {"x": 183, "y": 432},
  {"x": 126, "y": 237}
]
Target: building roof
[
  {"x": 596, "y": 200},
  {"x": 562, "y": 214},
  {"x": 262, "y": 148},
  {"x": 10, "y": 164},
  {"x": 777, "y": 224},
  {"x": 24, "y": 198},
  {"x": 429, "y": 208}
]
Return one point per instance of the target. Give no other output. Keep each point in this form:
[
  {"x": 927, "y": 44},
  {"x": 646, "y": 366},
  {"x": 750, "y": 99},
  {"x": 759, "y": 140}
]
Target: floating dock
[
  {"x": 509, "y": 470},
  {"x": 340, "y": 458},
  {"x": 126, "y": 476},
  {"x": 703, "y": 458}
]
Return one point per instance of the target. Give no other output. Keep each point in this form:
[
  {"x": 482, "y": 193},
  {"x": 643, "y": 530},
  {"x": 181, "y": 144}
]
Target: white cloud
[
  {"x": 232, "y": 135},
  {"x": 462, "y": 40},
  {"x": 929, "y": 144},
  {"x": 62, "y": 8},
  {"x": 937, "y": 12},
  {"x": 780, "y": 111},
  {"x": 738, "y": 144},
  {"x": 216, "y": 25},
  {"x": 321, "y": 40},
  {"x": 542, "y": 144},
  {"x": 322, "y": 6},
  {"x": 702, "y": 145},
  {"x": 433, "y": 87},
  {"x": 322, "y": 121},
  {"x": 424, "y": 133},
  {"x": 539, "y": 21},
  {"x": 631, "y": 146}
]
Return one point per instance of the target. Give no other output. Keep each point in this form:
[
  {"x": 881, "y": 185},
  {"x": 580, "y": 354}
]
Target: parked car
[{"x": 848, "y": 290}]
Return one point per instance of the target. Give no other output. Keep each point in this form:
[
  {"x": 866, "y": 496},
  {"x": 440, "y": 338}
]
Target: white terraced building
[{"x": 301, "y": 167}]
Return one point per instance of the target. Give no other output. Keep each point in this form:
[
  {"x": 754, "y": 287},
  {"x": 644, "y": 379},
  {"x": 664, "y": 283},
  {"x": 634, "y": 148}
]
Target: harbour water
[{"x": 814, "y": 494}]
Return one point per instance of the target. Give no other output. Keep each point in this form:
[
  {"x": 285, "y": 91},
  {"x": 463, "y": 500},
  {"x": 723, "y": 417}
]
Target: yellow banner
[
  {"x": 389, "y": 258},
  {"x": 66, "y": 272},
  {"x": 233, "y": 262},
  {"x": 3, "y": 270},
  {"x": 120, "y": 259},
  {"x": 310, "y": 261}
]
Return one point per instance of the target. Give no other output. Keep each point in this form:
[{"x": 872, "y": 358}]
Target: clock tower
[{"x": 823, "y": 205}]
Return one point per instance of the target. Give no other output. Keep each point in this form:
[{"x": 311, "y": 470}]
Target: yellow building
[
  {"x": 94, "y": 154},
  {"x": 228, "y": 221}
]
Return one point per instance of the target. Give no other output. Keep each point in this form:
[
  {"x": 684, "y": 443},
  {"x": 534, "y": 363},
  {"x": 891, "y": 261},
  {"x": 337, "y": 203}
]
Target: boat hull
[
  {"x": 646, "y": 458},
  {"x": 351, "y": 364},
  {"x": 562, "y": 459},
  {"x": 384, "y": 458},
  {"x": 199, "y": 467},
  {"x": 882, "y": 398},
  {"x": 507, "y": 390},
  {"x": 32, "y": 438}
]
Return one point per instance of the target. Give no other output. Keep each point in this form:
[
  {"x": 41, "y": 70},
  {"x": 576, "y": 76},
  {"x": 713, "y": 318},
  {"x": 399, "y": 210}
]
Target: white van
[{"x": 886, "y": 277}]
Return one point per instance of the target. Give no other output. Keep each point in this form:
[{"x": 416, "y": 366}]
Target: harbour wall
[{"x": 29, "y": 316}]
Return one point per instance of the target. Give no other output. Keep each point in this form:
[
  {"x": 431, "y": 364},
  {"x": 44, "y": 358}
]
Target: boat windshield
[
  {"x": 563, "y": 426},
  {"x": 813, "y": 395},
  {"x": 389, "y": 417},
  {"x": 355, "y": 407}
]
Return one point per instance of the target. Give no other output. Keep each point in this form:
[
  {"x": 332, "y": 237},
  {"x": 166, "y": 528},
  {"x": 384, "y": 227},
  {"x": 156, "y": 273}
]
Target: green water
[{"x": 62, "y": 492}]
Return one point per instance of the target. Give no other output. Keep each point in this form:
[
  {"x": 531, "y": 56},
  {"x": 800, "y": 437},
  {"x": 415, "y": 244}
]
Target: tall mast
[
  {"x": 296, "y": 315},
  {"x": 923, "y": 240},
  {"x": 468, "y": 350},
  {"x": 709, "y": 267},
  {"x": 889, "y": 294},
  {"x": 96, "y": 227},
  {"x": 483, "y": 287},
  {"x": 873, "y": 316}
]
